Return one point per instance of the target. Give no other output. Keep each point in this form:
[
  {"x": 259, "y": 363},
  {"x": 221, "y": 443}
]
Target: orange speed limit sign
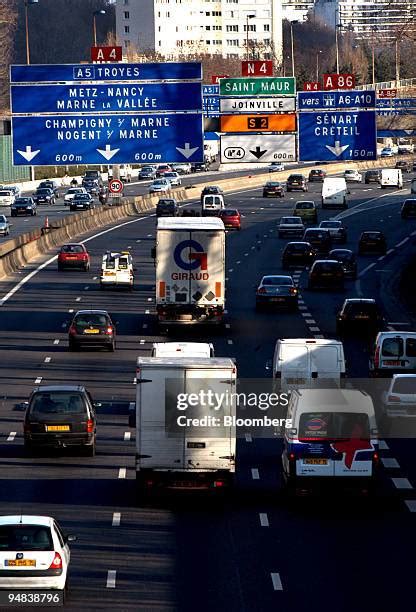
[{"x": 258, "y": 123}]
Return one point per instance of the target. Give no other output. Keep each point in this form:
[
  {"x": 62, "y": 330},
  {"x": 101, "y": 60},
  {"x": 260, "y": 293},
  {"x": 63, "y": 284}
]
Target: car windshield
[
  {"x": 60, "y": 402},
  {"x": 290, "y": 220},
  {"x": 22, "y": 201},
  {"x": 304, "y": 205},
  {"x": 25, "y": 538},
  {"x": 341, "y": 255},
  {"x": 277, "y": 280},
  {"x": 45, "y": 191},
  {"x": 3, "y": 219},
  {"x": 372, "y": 236},
  {"x": 75, "y": 190},
  {"x": 166, "y": 205},
  {"x": 272, "y": 184},
  {"x": 330, "y": 224},
  {"x": 363, "y": 308},
  {"x": 229, "y": 213},
  {"x": 296, "y": 177},
  {"x": 5, "y": 193},
  {"x": 333, "y": 425},
  {"x": 405, "y": 385},
  {"x": 297, "y": 247},
  {"x": 91, "y": 319},
  {"x": 392, "y": 347},
  {"x": 82, "y": 196},
  {"x": 312, "y": 233},
  {"x": 326, "y": 266},
  {"x": 72, "y": 248}
]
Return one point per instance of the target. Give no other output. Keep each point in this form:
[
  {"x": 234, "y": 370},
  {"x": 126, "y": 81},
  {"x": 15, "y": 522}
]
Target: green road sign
[{"x": 270, "y": 86}]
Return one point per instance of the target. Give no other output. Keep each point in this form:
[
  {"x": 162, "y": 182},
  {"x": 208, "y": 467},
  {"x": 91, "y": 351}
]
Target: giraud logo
[{"x": 190, "y": 256}]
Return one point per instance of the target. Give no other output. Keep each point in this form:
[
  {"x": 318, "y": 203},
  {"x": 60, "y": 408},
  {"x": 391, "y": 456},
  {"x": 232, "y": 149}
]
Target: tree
[{"x": 8, "y": 21}]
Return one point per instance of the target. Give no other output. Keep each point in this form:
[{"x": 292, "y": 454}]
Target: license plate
[
  {"x": 109, "y": 273},
  {"x": 71, "y": 256},
  {"x": 57, "y": 428},
  {"x": 277, "y": 299},
  {"x": 362, "y": 317},
  {"x": 316, "y": 461},
  {"x": 91, "y": 331},
  {"x": 326, "y": 274},
  {"x": 20, "y": 562},
  {"x": 391, "y": 363}
]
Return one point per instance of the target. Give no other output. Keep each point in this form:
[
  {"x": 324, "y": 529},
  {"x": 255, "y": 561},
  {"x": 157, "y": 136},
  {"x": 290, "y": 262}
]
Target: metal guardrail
[{"x": 390, "y": 84}]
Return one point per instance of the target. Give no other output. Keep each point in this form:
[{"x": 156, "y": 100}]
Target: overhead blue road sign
[
  {"x": 396, "y": 102},
  {"x": 395, "y": 112},
  {"x": 100, "y": 139},
  {"x": 336, "y": 135},
  {"x": 54, "y": 73},
  {"x": 210, "y": 90},
  {"x": 314, "y": 100},
  {"x": 78, "y": 98},
  {"x": 396, "y": 133}
]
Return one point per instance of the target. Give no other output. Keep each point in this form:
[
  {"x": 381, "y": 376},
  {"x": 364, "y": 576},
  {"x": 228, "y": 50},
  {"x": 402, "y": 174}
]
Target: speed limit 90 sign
[
  {"x": 115, "y": 186},
  {"x": 338, "y": 81}
]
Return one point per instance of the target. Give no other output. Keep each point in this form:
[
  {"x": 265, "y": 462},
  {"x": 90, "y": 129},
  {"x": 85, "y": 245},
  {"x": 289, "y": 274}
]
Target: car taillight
[
  {"x": 56, "y": 562},
  {"x": 261, "y": 290},
  {"x": 109, "y": 330},
  {"x": 376, "y": 458},
  {"x": 292, "y": 456},
  {"x": 393, "y": 398},
  {"x": 219, "y": 483},
  {"x": 72, "y": 330},
  {"x": 90, "y": 426},
  {"x": 377, "y": 357}
]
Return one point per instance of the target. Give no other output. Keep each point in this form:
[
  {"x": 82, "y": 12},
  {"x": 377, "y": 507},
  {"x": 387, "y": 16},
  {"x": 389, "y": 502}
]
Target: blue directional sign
[
  {"x": 396, "y": 103},
  {"x": 100, "y": 139},
  {"x": 337, "y": 135},
  {"x": 78, "y": 98},
  {"x": 395, "y": 112},
  {"x": 314, "y": 100},
  {"x": 55, "y": 73},
  {"x": 211, "y": 100}
]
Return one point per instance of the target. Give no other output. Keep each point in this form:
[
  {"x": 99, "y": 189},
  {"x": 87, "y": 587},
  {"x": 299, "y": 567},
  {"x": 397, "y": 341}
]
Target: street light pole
[
  {"x": 247, "y": 37},
  {"x": 317, "y": 65},
  {"x": 94, "y": 24},
  {"x": 292, "y": 45},
  {"x": 374, "y": 28},
  {"x": 27, "y": 2},
  {"x": 397, "y": 62},
  {"x": 337, "y": 25}
]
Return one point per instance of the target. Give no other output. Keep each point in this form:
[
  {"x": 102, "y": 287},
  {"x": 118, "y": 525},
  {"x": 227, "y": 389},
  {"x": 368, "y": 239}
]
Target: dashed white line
[
  {"x": 144, "y": 325},
  {"x": 134, "y": 381},
  {"x": 64, "y": 324},
  {"x": 86, "y": 288},
  {"x": 319, "y": 336},
  {"x": 411, "y": 504},
  {"x": 310, "y": 321},
  {"x": 381, "y": 258},
  {"x": 314, "y": 329},
  {"x": 227, "y": 326},
  {"x": 238, "y": 262},
  {"x": 111, "y": 579},
  {"x": 142, "y": 341},
  {"x": 47, "y": 359},
  {"x": 116, "y": 519},
  {"x": 303, "y": 307},
  {"x": 127, "y": 435},
  {"x": 147, "y": 312},
  {"x": 264, "y": 519},
  {"x": 245, "y": 254},
  {"x": 277, "y": 583},
  {"x": 248, "y": 437},
  {"x": 95, "y": 278},
  {"x": 78, "y": 299},
  {"x": 38, "y": 380},
  {"x": 71, "y": 310},
  {"x": 401, "y": 483},
  {"x": 390, "y": 462},
  {"x": 122, "y": 472},
  {"x": 56, "y": 341},
  {"x": 383, "y": 445},
  {"x": 255, "y": 474},
  {"x": 413, "y": 233},
  {"x": 231, "y": 270},
  {"x": 138, "y": 241},
  {"x": 11, "y": 436},
  {"x": 229, "y": 341},
  {"x": 149, "y": 235}
]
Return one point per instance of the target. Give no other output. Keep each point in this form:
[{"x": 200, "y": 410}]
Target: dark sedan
[
  {"x": 82, "y": 201},
  {"x": 44, "y": 195},
  {"x": 23, "y": 206},
  {"x": 273, "y": 188},
  {"x": 361, "y": 316},
  {"x": 320, "y": 239},
  {"x": 372, "y": 242},
  {"x": 348, "y": 260},
  {"x": 298, "y": 254},
  {"x": 277, "y": 291}
]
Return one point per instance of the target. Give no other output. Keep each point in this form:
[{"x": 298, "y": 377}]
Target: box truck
[
  {"x": 334, "y": 192},
  {"x": 169, "y": 453},
  {"x": 190, "y": 270}
]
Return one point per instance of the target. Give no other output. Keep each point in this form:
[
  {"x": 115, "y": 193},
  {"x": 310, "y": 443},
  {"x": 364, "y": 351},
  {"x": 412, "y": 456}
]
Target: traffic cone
[{"x": 46, "y": 224}]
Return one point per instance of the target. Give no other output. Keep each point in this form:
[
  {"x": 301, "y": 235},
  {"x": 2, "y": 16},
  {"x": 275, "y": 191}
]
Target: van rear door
[{"x": 325, "y": 363}]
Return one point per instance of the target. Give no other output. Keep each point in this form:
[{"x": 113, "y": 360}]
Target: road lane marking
[
  {"x": 303, "y": 307},
  {"x": 319, "y": 336},
  {"x": 86, "y": 288},
  {"x": 229, "y": 341},
  {"x": 144, "y": 325},
  {"x": 390, "y": 462},
  {"x": 47, "y": 359},
  {"x": 142, "y": 341},
  {"x": 227, "y": 326},
  {"x": 390, "y": 251},
  {"x": 411, "y": 504},
  {"x": 11, "y": 436},
  {"x": 382, "y": 445},
  {"x": 277, "y": 583},
  {"x": 127, "y": 435},
  {"x": 248, "y": 437},
  {"x": 147, "y": 312},
  {"x": 366, "y": 269},
  {"x": 71, "y": 310},
  {"x": 401, "y": 483},
  {"x": 116, "y": 519},
  {"x": 78, "y": 299},
  {"x": 111, "y": 579},
  {"x": 255, "y": 474},
  {"x": 264, "y": 519},
  {"x": 56, "y": 341},
  {"x": 314, "y": 329},
  {"x": 134, "y": 381},
  {"x": 399, "y": 244},
  {"x": 64, "y": 324},
  {"x": 149, "y": 299},
  {"x": 122, "y": 473},
  {"x": 38, "y": 380},
  {"x": 309, "y": 321}
]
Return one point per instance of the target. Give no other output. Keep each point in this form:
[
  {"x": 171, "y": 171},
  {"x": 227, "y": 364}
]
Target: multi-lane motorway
[{"x": 256, "y": 551}]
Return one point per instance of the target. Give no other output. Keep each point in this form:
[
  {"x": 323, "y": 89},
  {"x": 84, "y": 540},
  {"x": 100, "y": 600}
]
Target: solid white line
[
  {"x": 11, "y": 436},
  {"x": 111, "y": 579},
  {"x": 366, "y": 269},
  {"x": 383, "y": 445},
  {"x": 277, "y": 583},
  {"x": 399, "y": 244},
  {"x": 402, "y": 483},
  {"x": 56, "y": 341},
  {"x": 390, "y": 462},
  {"x": 390, "y": 251},
  {"x": 116, "y": 519},
  {"x": 411, "y": 504},
  {"x": 255, "y": 474},
  {"x": 38, "y": 380},
  {"x": 127, "y": 435},
  {"x": 47, "y": 359},
  {"x": 264, "y": 519},
  {"x": 248, "y": 437},
  {"x": 355, "y": 210},
  {"x": 71, "y": 310},
  {"x": 122, "y": 473}
]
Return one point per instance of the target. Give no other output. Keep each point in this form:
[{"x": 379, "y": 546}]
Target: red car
[
  {"x": 162, "y": 169},
  {"x": 73, "y": 256},
  {"x": 231, "y": 218}
]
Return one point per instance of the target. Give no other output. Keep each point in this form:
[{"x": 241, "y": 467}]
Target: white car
[
  {"x": 34, "y": 553},
  {"x": 174, "y": 178},
  {"x": 336, "y": 230},
  {"x": 182, "y": 168},
  {"x": 7, "y": 197},
  {"x": 72, "y": 192},
  {"x": 400, "y": 398},
  {"x": 387, "y": 152},
  {"x": 353, "y": 176},
  {"x": 4, "y": 226},
  {"x": 276, "y": 167},
  {"x": 160, "y": 185},
  {"x": 290, "y": 226},
  {"x": 16, "y": 190}
]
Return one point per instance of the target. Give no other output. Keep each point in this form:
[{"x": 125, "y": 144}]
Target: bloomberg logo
[{"x": 197, "y": 258}]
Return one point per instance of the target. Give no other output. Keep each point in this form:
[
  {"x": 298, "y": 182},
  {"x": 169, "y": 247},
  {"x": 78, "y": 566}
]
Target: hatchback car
[
  {"x": 290, "y": 226},
  {"x": 276, "y": 167},
  {"x": 162, "y": 169},
  {"x": 400, "y": 398},
  {"x": 316, "y": 175},
  {"x": 348, "y": 260},
  {"x": 211, "y": 190},
  {"x": 336, "y": 229},
  {"x": 353, "y": 176},
  {"x": 71, "y": 193},
  {"x": 277, "y": 291},
  {"x": 167, "y": 207},
  {"x": 44, "y": 195},
  {"x": 298, "y": 254},
  {"x": 387, "y": 152},
  {"x": 23, "y": 206},
  {"x": 50, "y": 184},
  {"x": 82, "y": 201},
  {"x": 372, "y": 242},
  {"x": 92, "y": 328},
  {"x": 361, "y": 316},
  {"x": 231, "y": 218},
  {"x": 372, "y": 176},
  {"x": 326, "y": 273},
  {"x": 320, "y": 239},
  {"x": 174, "y": 178},
  {"x": 307, "y": 211},
  {"x": 200, "y": 166},
  {"x": 273, "y": 188},
  {"x": 73, "y": 256},
  {"x": 296, "y": 182},
  {"x": 160, "y": 185},
  {"x": 4, "y": 226},
  {"x": 404, "y": 166},
  {"x": 34, "y": 553},
  {"x": 60, "y": 416},
  {"x": 408, "y": 210}
]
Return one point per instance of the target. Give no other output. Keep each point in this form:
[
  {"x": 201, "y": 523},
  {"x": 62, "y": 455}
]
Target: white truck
[
  {"x": 334, "y": 192},
  {"x": 391, "y": 177},
  {"x": 190, "y": 270},
  {"x": 211, "y": 150},
  {"x": 170, "y": 453}
]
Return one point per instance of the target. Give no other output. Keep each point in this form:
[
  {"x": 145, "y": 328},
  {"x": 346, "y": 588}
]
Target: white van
[
  {"x": 394, "y": 352},
  {"x": 117, "y": 270},
  {"x": 183, "y": 349},
  {"x": 212, "y": 204},
  {"x": 391, "y": 177},
  {"x": 306, "y": 362},
  {"x": 332, "y": 435},
  {"x": 334, "y": 192}
]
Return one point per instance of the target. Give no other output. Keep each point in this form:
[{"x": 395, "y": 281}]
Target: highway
[{"x": 256, "y": 551}]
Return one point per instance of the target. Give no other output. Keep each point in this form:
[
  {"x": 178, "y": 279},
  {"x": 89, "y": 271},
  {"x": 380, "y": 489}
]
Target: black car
[
  {"x": 326, "y": 273},
  {"x": 50, "y": 184},
  {"x": 360, "y": 315},
  {"x": 44, "y": 195},
  {"x": 273, "y": 188},
  {"x": 93, "y": 175},
  {"x": 200, "y": 167},
  {"x": 296, "y": 182},
  {"x": 298, "y": 254},
  {"x": 211, "y": 190},
  {"x": 81, "y": 201},
  {"x": 316, "y": 175},
  {"x": 23, "y": 206},
  {"x": 91, "y": 185},
  {"x": 60, "y": 416},
  {"x": 408, "y": 210},
  {"x": 92, "y": 328},
  {"x": 320, "y": 239},
  {"x": 147, "y": 172},
  {"x": 348, "y": 260},
  {"x": 372, "y": 176},
  {"x": 404, "y": 166},
  {"x": 372, "y": 242},
  {"x": 167, "y": 207},
  {"x": 277, "y": 290}
]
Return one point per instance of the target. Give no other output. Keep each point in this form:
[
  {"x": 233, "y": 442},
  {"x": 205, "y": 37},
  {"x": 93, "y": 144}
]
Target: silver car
[
  {"x": 4, "y": 226},
  {"x": 174, "y": 178}
]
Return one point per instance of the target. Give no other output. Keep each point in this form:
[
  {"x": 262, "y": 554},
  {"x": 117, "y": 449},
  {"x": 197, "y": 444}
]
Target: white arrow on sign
[
  {"x": 28, "y": 154},
  {"x": 187, "y": 151},
  {"x": 108, "y": 153},
  {"x": 337, "y": 149}
]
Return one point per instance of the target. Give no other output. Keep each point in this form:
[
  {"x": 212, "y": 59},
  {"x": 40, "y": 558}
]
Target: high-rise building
[{"x": 178, "y": 27}]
